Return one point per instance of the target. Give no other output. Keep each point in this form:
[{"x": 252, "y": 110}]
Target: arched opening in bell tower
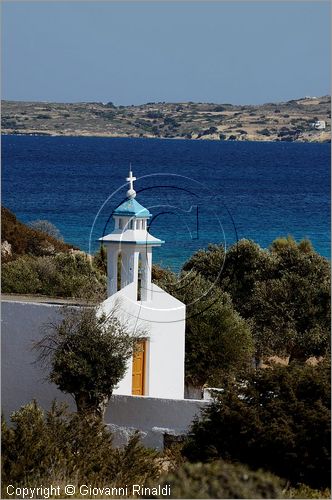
[
  {"x": 119, "y": 270},
  {"x": 139, "y": 277}
]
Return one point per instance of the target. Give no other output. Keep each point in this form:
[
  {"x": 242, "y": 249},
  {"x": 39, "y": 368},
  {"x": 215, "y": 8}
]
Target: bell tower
[{"x": 129, "y": 249}]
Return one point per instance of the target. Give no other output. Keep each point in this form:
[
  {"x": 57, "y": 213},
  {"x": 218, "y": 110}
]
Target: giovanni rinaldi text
[{"x": 88, "y": 491}]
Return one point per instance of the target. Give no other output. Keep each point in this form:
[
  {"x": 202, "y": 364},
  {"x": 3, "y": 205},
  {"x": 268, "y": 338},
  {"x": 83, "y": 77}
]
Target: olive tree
[
  {"x": 236, "y": 271},
  {"x": 87, "y": 353},
  {"x": 218, "y": 340},
  {"x": 283, "y": 292},
  {"x": 291, "y": 312}
]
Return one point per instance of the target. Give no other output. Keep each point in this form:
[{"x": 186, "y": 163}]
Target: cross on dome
[{"x": 131, "y": 193}]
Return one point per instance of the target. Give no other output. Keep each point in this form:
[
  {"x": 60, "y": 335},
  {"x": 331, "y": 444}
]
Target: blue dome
[{"x": 132, "y": 208}]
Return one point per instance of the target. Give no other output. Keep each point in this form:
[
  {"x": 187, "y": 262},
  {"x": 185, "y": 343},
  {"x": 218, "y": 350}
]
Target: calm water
[{"x": 198, "y": 191}]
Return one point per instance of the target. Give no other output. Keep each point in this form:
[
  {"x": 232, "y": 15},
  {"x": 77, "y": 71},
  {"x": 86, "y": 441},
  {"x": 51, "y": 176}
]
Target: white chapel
[{"x": 157, "y": 369}]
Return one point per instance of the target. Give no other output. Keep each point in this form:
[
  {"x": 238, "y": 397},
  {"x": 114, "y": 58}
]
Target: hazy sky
[{"x": 136, "y": 52}]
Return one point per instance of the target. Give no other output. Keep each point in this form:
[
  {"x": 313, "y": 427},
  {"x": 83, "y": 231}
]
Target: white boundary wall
[
  {"x": 24, "y": 380},
  {"x": 154, "y": 417}
]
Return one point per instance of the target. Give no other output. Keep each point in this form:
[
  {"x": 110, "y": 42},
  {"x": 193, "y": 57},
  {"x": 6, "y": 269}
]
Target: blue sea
[{"x": 199, "y": 192}]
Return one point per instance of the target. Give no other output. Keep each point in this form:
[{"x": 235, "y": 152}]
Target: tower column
[
  {"x": 146, "y": 255},
  {"x": 124, "y": 268},
  {"x": 129, "y": 269},
  {"x": 112, "y": 269}
]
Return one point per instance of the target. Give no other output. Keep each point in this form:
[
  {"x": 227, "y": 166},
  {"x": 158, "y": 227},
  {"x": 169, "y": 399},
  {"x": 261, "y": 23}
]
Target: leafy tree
[
  {"x": 209, "y": 263},
  {"x": 46, "y": 227},
  {"x": 220, "y": 479},
  {"x": 291, "y": 312},
  {"x": 277, "y": 418},
  {"x": 284, "y": 292},
  {"x": 164, "y": 278},
  {"x": 87, "y": 353},
  {"x": 235, "y": 271},
  {"x": 217, "y": 338}
]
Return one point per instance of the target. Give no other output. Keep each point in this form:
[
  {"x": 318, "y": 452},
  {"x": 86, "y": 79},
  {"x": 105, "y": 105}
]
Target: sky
[{"x": 137, "y": 52}]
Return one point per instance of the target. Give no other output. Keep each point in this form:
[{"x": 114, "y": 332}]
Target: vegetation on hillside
[
  {"x": 23, "y": 240},
  {"x": 60, "y": 275},
  {"x": 285, "y": 121},
  {"x": 46, "y": 227},
  {"x": 34, "y": 262},
  {"x": 277, "y": 301}
]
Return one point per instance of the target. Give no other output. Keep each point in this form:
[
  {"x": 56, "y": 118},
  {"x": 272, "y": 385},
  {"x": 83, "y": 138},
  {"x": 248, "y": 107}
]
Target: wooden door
[{"x": 139, "y": 369}]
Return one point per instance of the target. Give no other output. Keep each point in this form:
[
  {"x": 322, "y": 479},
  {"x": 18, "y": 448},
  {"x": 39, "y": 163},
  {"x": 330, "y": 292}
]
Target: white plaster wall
[
  {"x": 154, "y": 417},
  {"x": 21, "y": 378},
  {"x": 163, "y": 319}
]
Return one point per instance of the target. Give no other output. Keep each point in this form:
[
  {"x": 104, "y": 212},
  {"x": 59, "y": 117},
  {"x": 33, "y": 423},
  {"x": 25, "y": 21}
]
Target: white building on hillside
[
  {"x": 319, "y": 125},
  {"x": 157, "y": 370}
]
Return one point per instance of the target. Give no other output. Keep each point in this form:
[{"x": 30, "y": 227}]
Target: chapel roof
[{"x": 132, "y": 208}]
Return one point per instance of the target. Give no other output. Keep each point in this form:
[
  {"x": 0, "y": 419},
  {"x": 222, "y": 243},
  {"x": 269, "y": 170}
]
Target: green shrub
[
  {"x": 19, "y": 276},
  {"x": 276, "y": 418},
  {"x": 291, "y": 309},
  {"x": 303, "y": 491},
  {"x": 220, "y": 479},
  {"x": 49, "y": 447},
  {"x": 78, "y": 276},
  {"x": 48, "y": 274},
  {"x": 264, "y": 131},
  {"x": 62, "y": 275}
]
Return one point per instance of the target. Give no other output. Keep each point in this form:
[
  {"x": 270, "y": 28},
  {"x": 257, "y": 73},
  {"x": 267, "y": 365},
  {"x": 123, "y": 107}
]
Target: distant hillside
[
  {"x": 18, "y": 239},
  {"x": 285, "y": 121}
]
